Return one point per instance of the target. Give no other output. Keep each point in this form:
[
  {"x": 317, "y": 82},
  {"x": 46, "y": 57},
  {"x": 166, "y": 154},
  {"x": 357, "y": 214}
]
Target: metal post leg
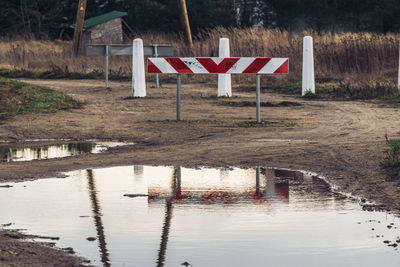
[
  {"x": 157, "y": 77},
  {"x": 157, "y": 81},
  {"x": 178, "y": 97},
  {"x": 258, "y": 180},
  {"x": 107, "y": 67},
  {"x": 258, "y": 98}
]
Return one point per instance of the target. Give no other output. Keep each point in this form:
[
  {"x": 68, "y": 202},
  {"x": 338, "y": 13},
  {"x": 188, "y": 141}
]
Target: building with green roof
[{"x": 104, "y": 29}]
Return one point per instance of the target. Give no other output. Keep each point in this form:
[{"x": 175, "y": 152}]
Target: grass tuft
[
  {"x": 309, "y": 94},
  {"x": 391, "y": 163}
]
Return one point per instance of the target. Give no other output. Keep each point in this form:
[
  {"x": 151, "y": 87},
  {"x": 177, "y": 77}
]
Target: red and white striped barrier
[{"x": 208, "y": 65}]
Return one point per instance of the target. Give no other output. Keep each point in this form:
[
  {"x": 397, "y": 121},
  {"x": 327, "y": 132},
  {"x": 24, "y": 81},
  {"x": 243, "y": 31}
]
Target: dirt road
[{"x": 343, "y": 141}]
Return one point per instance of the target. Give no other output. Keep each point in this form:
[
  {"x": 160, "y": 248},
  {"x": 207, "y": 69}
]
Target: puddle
[
  {"x": 37, "y": 152},
  {"x": 169, "y": 216}
]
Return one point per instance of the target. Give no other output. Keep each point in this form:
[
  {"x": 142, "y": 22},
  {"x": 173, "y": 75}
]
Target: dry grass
[{"x": 356, "y": 58}]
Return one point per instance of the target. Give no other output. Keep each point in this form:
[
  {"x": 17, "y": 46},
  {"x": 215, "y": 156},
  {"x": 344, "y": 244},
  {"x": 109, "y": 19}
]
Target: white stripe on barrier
[
  {"x": 241, "y": 65},
  {"x": 164, "y": 66},
  {"x": 273, "y": 65}
]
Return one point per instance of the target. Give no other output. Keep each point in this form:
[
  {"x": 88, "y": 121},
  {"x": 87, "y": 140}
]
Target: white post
[
  {"x": 138, "y": 77},
  {"x": 224, "y": 80},
  {"x": 308, "y": 66}
]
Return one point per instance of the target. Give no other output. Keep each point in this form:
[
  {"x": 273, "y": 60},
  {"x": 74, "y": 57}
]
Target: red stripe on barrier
[
  {"x": 178, "y": 65},
  {"x": 256, "y": 65},
  {"x": 151, "y": 68},
  {"x": 225, "y": 65},
  {"x": 284, "y": 68}
]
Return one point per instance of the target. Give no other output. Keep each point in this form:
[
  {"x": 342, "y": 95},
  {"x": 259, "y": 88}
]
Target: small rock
[
  {"x": 135, "y": 195},
  {"x": 14, "y": 235},
  {"x": 69, "y": 250},
  {"x": 386, "y": 241},
  {"x": 91, "y": 238},
  {"x": 368, "y": 207},
  {"x": 389, "y": 226},
  {"x": 373, "y": 229},
  {"x": 186, "y": 264}
]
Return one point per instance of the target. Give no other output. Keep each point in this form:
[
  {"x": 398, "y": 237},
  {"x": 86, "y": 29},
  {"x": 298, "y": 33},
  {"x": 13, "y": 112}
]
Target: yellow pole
[
  {"x": 185, "y": 22},
  {"x": 80, "y": 18}
]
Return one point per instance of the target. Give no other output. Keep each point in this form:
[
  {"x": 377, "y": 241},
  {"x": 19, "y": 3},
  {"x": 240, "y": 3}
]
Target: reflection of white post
[
  {"x": 139, "y": 180},
  {"x": 223, "y": 175},
  {"x": 138, "y": 170},
  {"x": 138, "y": 77},
  {"x": 308, "y": 66},
  {"x": 224, "y": 80}
]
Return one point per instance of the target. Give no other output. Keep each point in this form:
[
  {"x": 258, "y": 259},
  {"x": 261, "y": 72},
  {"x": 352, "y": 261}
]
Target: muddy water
[
  {"x": 166, "y": 216},
  {"x": 34, "y": 152}
]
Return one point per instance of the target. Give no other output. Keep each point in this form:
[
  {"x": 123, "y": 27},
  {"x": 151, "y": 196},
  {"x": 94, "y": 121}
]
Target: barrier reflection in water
[{"x": 212, "y": 189}]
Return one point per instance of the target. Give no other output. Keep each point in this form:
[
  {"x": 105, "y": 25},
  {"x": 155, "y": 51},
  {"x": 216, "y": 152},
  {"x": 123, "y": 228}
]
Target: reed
[{"x": 355, "y": 58}]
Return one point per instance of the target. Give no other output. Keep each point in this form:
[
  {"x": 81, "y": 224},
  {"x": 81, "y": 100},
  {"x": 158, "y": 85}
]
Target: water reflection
[
  {"x": 16, "y": 153},
  {"x": 97, "y": 219},
  {"x": 207, "y": 217}
]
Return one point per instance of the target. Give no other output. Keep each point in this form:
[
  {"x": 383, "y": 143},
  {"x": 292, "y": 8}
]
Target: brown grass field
[{"x": 364, "y": 60}]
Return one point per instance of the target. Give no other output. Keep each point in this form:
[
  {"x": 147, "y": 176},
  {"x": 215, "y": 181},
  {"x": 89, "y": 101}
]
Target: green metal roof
[{"x": 103, "y": 18}]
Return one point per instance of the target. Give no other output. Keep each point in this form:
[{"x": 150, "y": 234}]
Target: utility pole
[
  {"x": 185, "y": 22},
  {"x": 80, "y": 18}
]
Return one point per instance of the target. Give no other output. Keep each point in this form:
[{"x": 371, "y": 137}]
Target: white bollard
[
  {"x": 138, "y": 77},
  {"x": 224, "y": 80},
  {"x": 308, "y": 83}
]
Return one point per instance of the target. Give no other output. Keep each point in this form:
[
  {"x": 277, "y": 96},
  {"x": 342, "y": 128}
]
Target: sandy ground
[
  {"x": 343, "y": 141},
  {"x": 13, "y": 252}
]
